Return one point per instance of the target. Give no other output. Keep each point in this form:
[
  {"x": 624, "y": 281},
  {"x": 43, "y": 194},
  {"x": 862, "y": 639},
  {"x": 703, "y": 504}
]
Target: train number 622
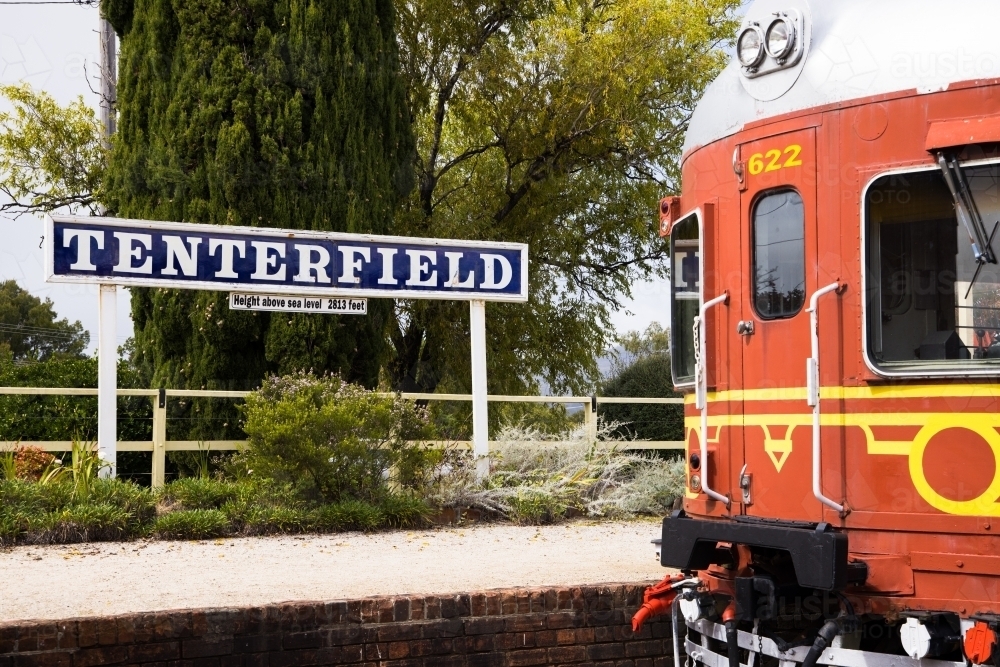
[{"x": 772, "y": 159}]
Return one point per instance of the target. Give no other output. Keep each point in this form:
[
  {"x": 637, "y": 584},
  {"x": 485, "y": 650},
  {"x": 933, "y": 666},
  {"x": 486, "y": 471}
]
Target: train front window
[
  {"x": 928, "y": 310},
  {"x": 685, "y": 292}
]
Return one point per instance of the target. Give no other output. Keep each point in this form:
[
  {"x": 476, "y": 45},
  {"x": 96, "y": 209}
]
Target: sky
[{"x": 54, "y": 47}]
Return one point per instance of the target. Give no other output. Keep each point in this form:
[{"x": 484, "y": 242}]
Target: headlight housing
[
  {"x": 750, "y": 46},
  {"x": 779, "y": 40},
  {"x": 695, "y": 483}
]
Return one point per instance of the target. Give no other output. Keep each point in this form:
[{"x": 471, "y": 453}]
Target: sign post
[
  {"x": 480, "y": 406},
  {"x": 282, "y": 270},
  {"x": 107, "y": 378}
]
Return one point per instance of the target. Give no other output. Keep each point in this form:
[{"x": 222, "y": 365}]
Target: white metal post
[
  {"x": 480, "y": 417},
  {"x": 107, "y": 378},
  {"x": 590, "y": 410},
  {"x": 159, "y": 439},
  {"x": 107, "y": 300}
]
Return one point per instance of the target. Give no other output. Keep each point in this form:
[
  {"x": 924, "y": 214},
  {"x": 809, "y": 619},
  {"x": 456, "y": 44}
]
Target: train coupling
[{"x": 656, "y": 600}]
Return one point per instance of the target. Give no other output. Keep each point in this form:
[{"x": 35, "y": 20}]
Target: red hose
[{"x": 656, "y": 601}]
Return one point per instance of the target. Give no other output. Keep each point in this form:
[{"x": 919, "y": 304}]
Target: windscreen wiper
[
  {"x": 980, "y": 265},
  {"x": 967, "y": 211}
]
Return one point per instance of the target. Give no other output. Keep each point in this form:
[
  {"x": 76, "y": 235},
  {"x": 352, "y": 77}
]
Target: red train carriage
[{"x": 836, "y": 324}]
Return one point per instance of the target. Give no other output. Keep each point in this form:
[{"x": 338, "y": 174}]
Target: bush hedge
[
  {"x": 326, "y": 456},
  {"x": 189, "y": 509}
]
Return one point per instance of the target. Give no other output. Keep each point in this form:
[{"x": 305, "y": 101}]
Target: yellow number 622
[{"x": 771, "y": 160}]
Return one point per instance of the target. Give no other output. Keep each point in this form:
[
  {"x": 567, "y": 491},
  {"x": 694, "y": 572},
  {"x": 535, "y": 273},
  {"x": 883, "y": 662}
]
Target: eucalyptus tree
[{"x": 557, "y": 123}]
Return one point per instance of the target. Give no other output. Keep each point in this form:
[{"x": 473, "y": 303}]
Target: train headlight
[
  {"x": 695, "y": 483},
  {"x": 750, "y": 47},
  {"x": 779, "y": 39}
]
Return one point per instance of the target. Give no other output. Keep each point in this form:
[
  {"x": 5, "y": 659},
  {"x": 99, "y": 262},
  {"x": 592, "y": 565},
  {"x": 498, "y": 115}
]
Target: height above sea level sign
[
  {"x": 279, "y": 261},
  {"x": 297, "y": 303}
]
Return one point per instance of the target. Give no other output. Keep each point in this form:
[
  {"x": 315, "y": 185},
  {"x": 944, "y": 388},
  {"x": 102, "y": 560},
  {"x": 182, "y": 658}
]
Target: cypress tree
[{"x": 275, "y": 113}]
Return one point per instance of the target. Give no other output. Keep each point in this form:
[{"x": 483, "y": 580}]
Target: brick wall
[{"x": 587, "y": 625}]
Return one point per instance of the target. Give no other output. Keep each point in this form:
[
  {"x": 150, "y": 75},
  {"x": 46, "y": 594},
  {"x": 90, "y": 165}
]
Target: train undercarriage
[{"x": 765, "y": 593}]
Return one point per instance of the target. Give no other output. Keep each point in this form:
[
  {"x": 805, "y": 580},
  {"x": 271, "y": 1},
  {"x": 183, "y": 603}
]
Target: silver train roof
[{"x": 855, "y": 49}]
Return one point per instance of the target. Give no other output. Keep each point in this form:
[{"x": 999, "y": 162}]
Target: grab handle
[
  {"x": 701, "y": 393},
  {"x": 812, "y": 396}
]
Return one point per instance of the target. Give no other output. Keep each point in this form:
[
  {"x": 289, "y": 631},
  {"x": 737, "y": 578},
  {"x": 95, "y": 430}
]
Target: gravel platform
[{"x": 54, "y": 582}]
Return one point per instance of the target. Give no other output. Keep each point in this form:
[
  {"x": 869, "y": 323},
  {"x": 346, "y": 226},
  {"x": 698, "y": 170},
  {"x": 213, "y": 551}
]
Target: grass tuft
[
  {"x": 404, "y": 511},
  {"x": 191, "y": 525},
  {"x": 196, "y": 493},
  {"x": 349, "y": 515},
  {"x": 81, "y": 523}
]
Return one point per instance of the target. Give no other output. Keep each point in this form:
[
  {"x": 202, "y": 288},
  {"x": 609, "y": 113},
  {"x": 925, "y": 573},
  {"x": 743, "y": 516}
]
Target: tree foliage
[
  {"x": 558, "y": 124},
  {"x": 555, "y": 123},
  {"x": 30, "y": 332},
  {"x": 642, "y": 369},
  {"x": 51, "y": 156},
  {"x": 634, "y": 345},
  {"x": 286, "y": 114}
]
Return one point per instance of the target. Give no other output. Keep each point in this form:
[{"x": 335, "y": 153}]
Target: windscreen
[{"x": 931, "y": 305}]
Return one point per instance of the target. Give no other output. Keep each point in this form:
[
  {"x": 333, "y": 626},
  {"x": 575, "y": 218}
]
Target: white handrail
[
  {"x": 701, "y": 395},
  {"x": 812, "y": 396}
]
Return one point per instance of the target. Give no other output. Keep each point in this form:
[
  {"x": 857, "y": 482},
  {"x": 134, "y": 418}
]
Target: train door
[
  {"x": 779, "y": 258},
  {"x": 698, "y": 277}
]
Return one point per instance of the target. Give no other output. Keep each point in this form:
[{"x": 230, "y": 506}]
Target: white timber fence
[{"x": 159, "y": 445}]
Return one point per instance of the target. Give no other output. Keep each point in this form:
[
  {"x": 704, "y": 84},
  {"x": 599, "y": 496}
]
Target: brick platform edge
[{"x": 584, "y": 625}]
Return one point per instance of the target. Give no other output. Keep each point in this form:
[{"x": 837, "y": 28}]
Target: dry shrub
[{"x": 539, "y": 478}]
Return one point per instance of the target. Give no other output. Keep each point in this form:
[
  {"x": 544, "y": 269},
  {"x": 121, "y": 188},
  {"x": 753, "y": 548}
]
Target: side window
[
  {"x": 685, "y": 291},
  {"x": 931, "y": 306},
  {"x": 778, "y": 254}
]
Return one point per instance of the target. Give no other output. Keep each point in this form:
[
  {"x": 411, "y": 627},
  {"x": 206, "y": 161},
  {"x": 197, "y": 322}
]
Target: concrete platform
[{"x": 115, "y": 578}]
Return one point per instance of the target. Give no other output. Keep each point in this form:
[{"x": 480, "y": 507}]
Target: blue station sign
[{"x": 276, "y": 261}]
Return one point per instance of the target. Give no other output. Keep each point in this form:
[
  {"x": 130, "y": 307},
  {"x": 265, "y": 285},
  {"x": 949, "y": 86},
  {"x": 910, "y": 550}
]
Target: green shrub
[
  {"x": 349, "y": 515},
  {"x": 8, "y": 463},
  {"x": 645, "y": 377},
  {"x": 535, "y": 506},
  {"x": 260, "y": 507},
  {"x": 138, "y": 502},
  {"x": 334, "y": 441},
  {"x": 49, "y": 513},
  {"x": 11, "y": 528},
  {"x": 276, "y": 520},
  {"x": 17, "y": 495},
  {"x": 88, "y": 522},
  {"x": 404, "y": 511},
  {"x": 191, "y": 525},
  {"x": 195, "y": 493}
]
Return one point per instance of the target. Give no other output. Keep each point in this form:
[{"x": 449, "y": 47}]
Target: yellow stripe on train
[{"x": 779, "y": 445}]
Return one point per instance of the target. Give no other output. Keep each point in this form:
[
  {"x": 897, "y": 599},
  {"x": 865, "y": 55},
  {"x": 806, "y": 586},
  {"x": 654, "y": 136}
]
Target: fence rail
[{"x": 159, "y": 445}]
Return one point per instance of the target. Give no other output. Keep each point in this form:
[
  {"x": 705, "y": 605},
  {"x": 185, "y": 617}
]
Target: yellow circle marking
[{"x": 986, "y": 504}]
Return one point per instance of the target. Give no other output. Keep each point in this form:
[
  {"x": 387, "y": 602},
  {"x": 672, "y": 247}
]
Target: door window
[{"x": 779, "y": 254}]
